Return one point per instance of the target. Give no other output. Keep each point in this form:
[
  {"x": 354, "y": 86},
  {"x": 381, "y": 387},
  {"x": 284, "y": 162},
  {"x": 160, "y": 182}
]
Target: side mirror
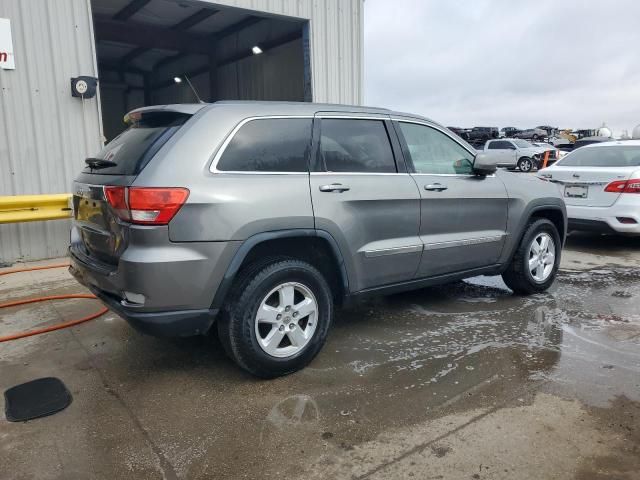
[{"x": 485, "y": 163}]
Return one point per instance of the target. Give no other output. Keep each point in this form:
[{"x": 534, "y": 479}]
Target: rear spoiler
[{"x": 185, "y": 108}]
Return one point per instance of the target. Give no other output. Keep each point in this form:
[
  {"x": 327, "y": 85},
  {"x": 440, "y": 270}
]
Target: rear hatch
[
  {"x": 593, "y": 176},
  {"x": 103, "y": 235}
]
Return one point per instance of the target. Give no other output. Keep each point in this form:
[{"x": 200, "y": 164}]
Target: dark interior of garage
[{"x": 153, "y": 52}]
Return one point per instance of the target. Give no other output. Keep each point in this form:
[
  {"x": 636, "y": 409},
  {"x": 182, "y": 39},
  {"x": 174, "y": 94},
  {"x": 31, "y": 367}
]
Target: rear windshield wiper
[{"x": 97, "y": 163}]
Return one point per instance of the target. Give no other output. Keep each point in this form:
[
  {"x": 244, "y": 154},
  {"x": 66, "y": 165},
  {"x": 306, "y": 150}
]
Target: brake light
[
  {"x": 624, "y": 186},
  {"x": 117, "y": 198},
  {"x": 155, "y": 206},
  {"x": 146, "y": 206}
]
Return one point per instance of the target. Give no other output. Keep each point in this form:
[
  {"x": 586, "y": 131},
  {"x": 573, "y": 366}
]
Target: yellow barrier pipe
[{"x": 33, "y": 208}]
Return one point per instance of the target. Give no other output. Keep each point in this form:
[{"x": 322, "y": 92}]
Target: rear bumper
[
  {"x": 585, "y": 225},
  {"x": 175, "y": 323},
  {"x": 160, "y": 287},
  {"x": 605, "y": 219}
]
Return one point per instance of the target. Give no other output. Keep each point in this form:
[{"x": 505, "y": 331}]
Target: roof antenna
[{"x": 179, "y": 80}]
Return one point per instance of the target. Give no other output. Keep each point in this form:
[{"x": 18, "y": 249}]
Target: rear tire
[
  {"x": 525, "y": 164},
  {"x": 530, "y": 272},
  {"x": 278, "y": 317}
]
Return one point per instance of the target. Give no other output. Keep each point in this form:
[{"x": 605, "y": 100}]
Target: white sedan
[{"x": 601, "y": 186}]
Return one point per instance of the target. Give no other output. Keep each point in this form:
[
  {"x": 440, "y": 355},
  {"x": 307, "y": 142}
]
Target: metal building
[{"x": 307, "y": 50}]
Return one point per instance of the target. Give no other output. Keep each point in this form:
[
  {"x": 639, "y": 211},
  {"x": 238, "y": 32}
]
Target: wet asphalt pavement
[{"x": 457, "y": 381}]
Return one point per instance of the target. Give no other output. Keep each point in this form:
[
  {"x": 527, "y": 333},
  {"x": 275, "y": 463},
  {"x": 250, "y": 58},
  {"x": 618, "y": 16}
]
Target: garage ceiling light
[
  {"x": 256, "y": 50},
  {"x": 177, "y": 79}
]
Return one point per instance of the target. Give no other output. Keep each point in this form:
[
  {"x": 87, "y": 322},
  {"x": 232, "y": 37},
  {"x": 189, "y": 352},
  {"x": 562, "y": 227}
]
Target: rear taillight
[
  {"x": 624, "y": 186},
  {"x": 146, "y": 206},
  {"x": 155, "y": 206},
  {"x": 117, "y": 198}
]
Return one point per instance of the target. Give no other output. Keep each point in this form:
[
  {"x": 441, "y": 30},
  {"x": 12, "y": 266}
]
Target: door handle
[
  {"x": 334, "y": 187},
  {"x": 435, "y": 187}
]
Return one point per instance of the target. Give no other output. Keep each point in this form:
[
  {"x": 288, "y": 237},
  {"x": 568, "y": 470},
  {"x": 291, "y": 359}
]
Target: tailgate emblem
[
  {"x": 82, "y": 191},
  {"x": 575, "y": 175}
]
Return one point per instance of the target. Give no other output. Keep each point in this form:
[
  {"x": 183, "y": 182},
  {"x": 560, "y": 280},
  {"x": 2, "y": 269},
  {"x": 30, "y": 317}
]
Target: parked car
[
  {"x": 514, "y": 153},
  {"x": 509, "y": 132},
  {"x": 482, "y": 134},
  {"x": 549, "y": 130},
  {"x": 555, "y": 154},
  {"x": 581, "y": 142},
  {"x": 258, "y": 218},
  {"x": 601, "y": 186},
  {"x": 461, "y": 132},
  {"x": 531, "y": 134}
]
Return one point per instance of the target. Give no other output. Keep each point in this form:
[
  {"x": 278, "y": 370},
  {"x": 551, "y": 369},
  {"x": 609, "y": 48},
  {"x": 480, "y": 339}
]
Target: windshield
[
  {"x": 522, "y": 143},
  {"x": 133, "y": 148},
  {"x": 613, "y": 156}
]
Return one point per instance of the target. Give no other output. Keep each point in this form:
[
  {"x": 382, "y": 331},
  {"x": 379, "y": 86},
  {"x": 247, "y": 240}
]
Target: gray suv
[{"x": 256, "y": 219}]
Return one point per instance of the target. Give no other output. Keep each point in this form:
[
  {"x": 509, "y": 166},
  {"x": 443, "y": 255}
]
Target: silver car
[
  {"x": 532, "y": 134},
  {"x": 257, "y": 219}
]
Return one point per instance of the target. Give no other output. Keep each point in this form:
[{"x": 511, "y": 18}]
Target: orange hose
[
  {"x": 51, "y": 328},
  {"x": 31, "y": 269}
]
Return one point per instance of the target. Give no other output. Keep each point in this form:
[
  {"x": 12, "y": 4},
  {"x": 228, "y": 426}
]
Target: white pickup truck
[{"x": 514, "y": 153}]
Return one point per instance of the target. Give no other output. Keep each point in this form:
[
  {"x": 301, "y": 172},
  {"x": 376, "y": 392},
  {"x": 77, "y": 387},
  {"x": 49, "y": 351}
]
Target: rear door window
[
  {"x": 356, "y": 145},
  {"x": 269, "y": 145},
  {"x": 133, "y": 148},
  {"x": 500, "y": 145}
]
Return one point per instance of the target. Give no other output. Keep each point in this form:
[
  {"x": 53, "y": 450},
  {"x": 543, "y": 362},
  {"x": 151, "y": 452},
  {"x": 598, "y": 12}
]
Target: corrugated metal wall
[{"x": 45, "y": 133}]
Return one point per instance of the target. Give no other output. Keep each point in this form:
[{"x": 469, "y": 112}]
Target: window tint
[
  {"x": 133, "y": 148},
  {"x": 269, "y": 145},
  {"x": 620, "y": 156},
  {"x": 348, "y": 145},
  {"x": 501, "y": 145},
  {"x": 432, "y": 151}
]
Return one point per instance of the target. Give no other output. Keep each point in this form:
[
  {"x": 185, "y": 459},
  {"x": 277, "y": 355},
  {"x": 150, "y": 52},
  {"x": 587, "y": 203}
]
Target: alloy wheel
[
  {"x": 286, "y": 319},
  {"x": 526, "y": 165},
  {"x": 542, "y": 257}
]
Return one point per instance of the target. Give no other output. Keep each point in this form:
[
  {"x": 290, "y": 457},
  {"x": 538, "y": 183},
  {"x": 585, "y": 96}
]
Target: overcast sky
[{"x": 565, "y": 63}]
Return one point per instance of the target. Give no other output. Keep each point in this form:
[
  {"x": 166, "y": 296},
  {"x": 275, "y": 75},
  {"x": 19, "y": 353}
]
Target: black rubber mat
[{"x": 37, "y": 398}]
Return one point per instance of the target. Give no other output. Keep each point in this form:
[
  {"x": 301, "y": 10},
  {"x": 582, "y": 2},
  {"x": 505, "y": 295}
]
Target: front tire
[
  {"x": 535, "y": 264},
  {"x": 525, "y": 164},
  {"x": 278, "y": 317}
]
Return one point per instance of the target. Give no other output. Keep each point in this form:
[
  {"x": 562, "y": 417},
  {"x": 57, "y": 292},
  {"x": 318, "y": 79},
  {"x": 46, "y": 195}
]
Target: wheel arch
[
  {"x": 556, "y": 216},
  {"x": 310, "y": 245},
  {"x": 554, "y": 211}
]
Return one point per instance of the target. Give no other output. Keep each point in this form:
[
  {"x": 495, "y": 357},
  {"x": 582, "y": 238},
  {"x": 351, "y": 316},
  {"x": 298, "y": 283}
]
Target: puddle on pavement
[{"x": 410, "y": 357}]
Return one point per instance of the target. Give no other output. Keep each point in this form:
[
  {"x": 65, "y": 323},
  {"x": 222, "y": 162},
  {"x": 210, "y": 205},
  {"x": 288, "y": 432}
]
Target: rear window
[
  {"x": 613, "y": 156},
  {"x": 269, "y": 145},
  {"x": 133, "y": 148}
]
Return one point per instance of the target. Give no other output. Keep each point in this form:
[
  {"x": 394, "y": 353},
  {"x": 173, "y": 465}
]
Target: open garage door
[{"x": 150, "y": 52}]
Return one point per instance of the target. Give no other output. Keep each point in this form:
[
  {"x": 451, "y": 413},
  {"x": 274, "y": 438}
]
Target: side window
[
  {"x": 500, "y": 145},
  {"x": 349, "y": 145},
  {"x": 269, "y": 145},
  {"x": 432, "y": 151}
]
